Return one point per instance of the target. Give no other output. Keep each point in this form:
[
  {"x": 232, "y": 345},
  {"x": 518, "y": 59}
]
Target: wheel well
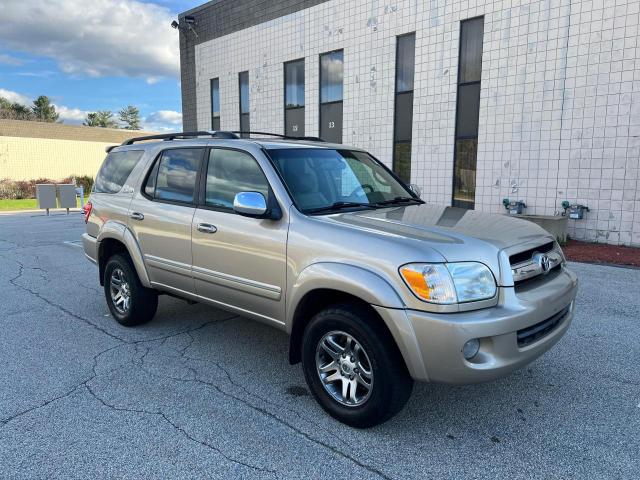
[
  {"x": 108, "y": 248},
  {"x": 315, "y": 301}
]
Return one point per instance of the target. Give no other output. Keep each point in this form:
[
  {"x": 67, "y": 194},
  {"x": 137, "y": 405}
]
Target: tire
[
  {"x": 143, "y": 302},
  {"x": 389, "y": 383}
]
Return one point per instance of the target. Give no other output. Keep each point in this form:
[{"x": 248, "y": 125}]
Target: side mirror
[
  {"x": 415, "y": 189},
  {"x": 250, "y": 204}
]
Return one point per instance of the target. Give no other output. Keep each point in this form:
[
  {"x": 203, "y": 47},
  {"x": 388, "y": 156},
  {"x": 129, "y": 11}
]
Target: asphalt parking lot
[{"x": 200, "y": 393}]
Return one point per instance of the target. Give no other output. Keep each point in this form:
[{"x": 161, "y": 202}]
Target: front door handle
[
  {"x": 206, "y": 228},
  {"x": 137, "y": 216}
]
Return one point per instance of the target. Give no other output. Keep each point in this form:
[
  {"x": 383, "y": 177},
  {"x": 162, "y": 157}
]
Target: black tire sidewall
[
  {"x": 142, "y": 299},
  {"x": 376, "y": 409}
]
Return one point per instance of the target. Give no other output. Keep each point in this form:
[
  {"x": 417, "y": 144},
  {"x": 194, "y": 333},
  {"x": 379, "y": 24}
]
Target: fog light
[{"x": 471, "y": 348}]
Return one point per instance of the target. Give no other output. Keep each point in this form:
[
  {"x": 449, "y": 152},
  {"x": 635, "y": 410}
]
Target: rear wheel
[
  {"x": 130, "y": 303},
  {"x": 354, "y": 370}
]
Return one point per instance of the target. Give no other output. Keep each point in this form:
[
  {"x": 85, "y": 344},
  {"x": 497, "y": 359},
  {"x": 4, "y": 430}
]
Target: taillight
[{"x": 87, "y": 211}]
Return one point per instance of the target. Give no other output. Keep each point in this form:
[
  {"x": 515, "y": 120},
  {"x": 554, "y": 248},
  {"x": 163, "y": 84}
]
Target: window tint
[
  {"x": 403, "y": 115},
  {"x": 467, "y": 113},
  {"x": 243, "y": 85},
  {"x": 243, "y": 78},
  {"x": 331, "y": 72},
  {"x": 294, "y": 83},
  {"x": 175, "y": 175},
  {"x": 405, "y": 62},
  {"x": 294, "y": 98},
  {"x": 115, "y": 170},
  {"x": 215, "y": 104},
  {"x": 230, "y": 172},
  {"x": 471, "y": 32}
]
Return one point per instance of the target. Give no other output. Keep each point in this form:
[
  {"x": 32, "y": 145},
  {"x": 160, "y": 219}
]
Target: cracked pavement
[{"x": 202, "y": 393}]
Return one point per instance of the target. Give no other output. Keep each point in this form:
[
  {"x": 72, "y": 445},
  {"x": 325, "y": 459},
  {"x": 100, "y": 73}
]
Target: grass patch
[{"x": 23, "y": 204}]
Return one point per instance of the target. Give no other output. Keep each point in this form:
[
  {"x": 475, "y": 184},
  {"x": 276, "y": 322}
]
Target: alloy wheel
[
  {"x": 344, "y": 368},
  {"x": 120, "y": 291}
]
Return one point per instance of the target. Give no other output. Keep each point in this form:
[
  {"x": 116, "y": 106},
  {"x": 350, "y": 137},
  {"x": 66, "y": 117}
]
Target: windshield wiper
[
  {"x": 340, "y": 206},
  {"x": 398, "y": 200}
]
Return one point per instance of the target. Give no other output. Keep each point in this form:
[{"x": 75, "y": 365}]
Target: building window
[
  {"x": 243, "y": 81},
  {"x": 294, "y": 98},
  {"x": 467, "y": 113},
  {"x": 331, "y": 71},
  {"x": 403, "y": 116},
  {"x": 215, "y": 104}
]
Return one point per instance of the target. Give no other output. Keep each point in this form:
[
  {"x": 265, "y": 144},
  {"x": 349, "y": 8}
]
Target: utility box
[
  {"x": 576, "y": 212},
  {"x": 67, "y": 196},
  {"x": 46, "y": 196},
  {"x": 516, "y": 208}
]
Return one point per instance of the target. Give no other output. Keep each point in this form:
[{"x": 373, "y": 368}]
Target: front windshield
[{"x": 321, "y": 180}]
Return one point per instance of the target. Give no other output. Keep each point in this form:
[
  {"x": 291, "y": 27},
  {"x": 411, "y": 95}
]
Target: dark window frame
[
  {"x": 298, "y": 107},
  {"x": 333, "y": 102},
  {"x": 465, "y": 203},
  {"x": 202, "y": 185},
  {"x": 156, "y": 161},
  {"x": 398, "y": 94},
  {"x": 241, "y": 113},
  {"x": 214, "y": 117}
]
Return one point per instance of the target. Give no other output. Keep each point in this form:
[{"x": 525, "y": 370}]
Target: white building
[{"x": 541, "y": 98}]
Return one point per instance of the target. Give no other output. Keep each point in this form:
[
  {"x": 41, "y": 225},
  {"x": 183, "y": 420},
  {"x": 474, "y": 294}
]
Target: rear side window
[
  {"x": 115, "y": 170},
  {"x": 173, "y": 177},
  {"x": 230, "y": 172}
]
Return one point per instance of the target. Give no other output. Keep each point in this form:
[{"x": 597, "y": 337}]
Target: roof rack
[
  {"x": 173, "y": 136},
  {"x": 214, "y": 134}
]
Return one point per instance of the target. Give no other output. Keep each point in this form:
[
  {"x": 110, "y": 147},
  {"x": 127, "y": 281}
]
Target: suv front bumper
[{"x": 435, "y": 352}]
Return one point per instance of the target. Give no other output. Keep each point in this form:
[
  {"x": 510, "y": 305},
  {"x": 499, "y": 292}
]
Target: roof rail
[
  {"x": 173, "y": 136},
  {"x": 214, "y": 134},
  {"x": 279, "y": 135}
]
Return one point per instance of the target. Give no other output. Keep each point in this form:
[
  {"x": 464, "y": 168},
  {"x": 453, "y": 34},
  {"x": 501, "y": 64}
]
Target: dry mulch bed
[{"x": 576, "y": 251}]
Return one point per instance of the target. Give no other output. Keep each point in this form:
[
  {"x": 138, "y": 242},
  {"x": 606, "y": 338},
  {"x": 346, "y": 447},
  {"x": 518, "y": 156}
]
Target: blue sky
[{"x": 97, "y": 55}]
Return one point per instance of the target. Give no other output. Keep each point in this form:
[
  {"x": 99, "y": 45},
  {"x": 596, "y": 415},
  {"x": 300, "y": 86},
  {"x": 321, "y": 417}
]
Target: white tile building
[{"x": 559, "y": 115}]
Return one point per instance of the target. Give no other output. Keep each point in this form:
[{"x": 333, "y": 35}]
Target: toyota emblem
[{"x": 543, "y": 262}]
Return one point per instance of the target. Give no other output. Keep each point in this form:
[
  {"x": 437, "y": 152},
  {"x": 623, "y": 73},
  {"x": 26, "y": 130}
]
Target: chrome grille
[{"x": 535, "y": 262}]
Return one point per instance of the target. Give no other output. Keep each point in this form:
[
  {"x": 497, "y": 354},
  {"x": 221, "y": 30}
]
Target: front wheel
[
  {"x": 353, "y": 369},
  {"x": 130, "y": 303}
]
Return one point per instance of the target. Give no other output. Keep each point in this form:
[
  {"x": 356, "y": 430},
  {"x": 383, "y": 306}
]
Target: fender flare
[
  {"x": 120, "y": 232},
  {"x": 354, "y": 280},
  {"x": 369, "y": 287}
]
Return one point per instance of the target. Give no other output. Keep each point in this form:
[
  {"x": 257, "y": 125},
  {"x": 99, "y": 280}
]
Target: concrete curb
[{"x": 43, "y": 211}]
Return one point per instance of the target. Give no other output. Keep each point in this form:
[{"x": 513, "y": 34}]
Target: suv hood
[{"x": 449, "y": 229}]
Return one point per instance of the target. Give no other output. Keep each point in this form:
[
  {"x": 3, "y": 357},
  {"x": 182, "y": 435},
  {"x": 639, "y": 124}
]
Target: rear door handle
[
  {"x": 137, "y": 216},
  {"x": 206, "y": 228}
]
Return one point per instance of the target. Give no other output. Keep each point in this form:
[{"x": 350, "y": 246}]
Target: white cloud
[
  {"x": 95, "y": 38},
  {"x": 71, "y": 115},
  {"x": 15, "y": 97},
  {"x": 163, "y": 120}
]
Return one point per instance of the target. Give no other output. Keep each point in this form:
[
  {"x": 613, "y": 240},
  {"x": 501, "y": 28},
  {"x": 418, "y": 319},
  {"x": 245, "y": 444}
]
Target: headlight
[{"x": 448, "y": 283}]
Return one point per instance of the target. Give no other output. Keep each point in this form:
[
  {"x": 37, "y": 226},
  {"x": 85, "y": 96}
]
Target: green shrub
[{"x": 21, "y": 189}]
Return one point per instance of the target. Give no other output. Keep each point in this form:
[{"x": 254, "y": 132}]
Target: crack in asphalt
[
  {"x": 14, "y": 281},
  {"x": 123, "y": 342},
  {"x": 178, "y": 428},
  {"x": 263, "y": 410}
]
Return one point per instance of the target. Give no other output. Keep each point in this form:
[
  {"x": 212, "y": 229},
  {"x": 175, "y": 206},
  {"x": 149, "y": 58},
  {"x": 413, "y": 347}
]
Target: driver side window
[{"x": 230, "y": 172}]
